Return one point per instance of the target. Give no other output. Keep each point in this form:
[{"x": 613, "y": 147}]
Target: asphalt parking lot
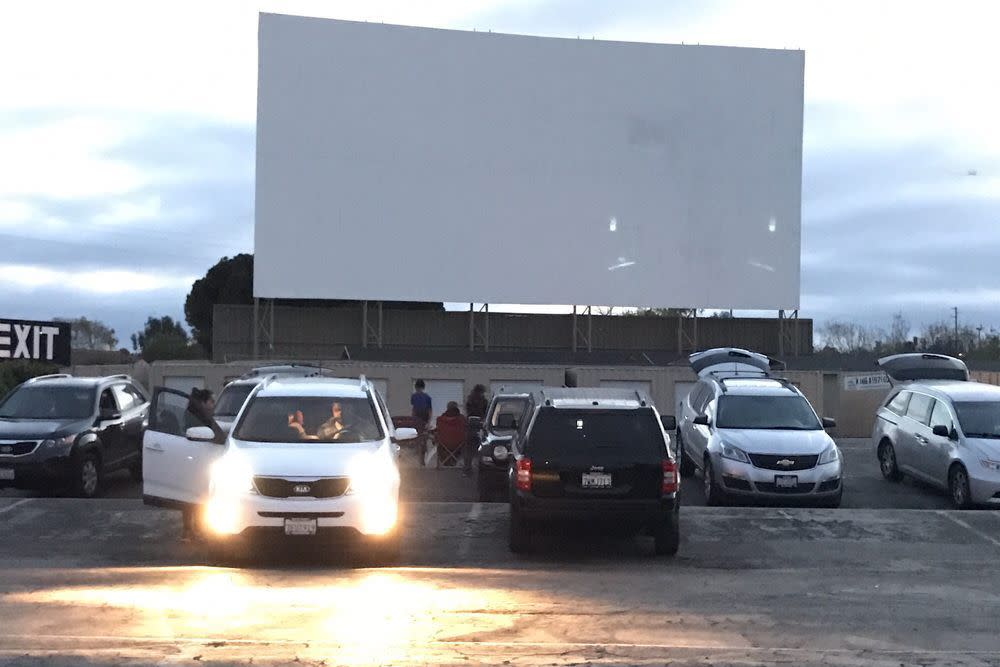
[{"x": 107, "y": 582}]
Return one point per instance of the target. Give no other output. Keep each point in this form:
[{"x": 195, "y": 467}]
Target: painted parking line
[
  {"x": 466, "y": 544},
  {"x": 975, "y": 531},
  {"x": 18, "y": 503}
]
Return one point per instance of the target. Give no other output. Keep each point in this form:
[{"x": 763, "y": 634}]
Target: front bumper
[
  {"x": 37, "y": 473},
  {"x": 255, "y": 514},
  {"x": 984, "y": 484},
  {"x": 745, "y": 479}
]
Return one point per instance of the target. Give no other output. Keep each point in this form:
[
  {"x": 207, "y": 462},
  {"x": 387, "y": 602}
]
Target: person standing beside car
[
  {"x": 200, "y": 412},
  {"x": 421, "y": 408},
  {"x": 476, "y": 405}
]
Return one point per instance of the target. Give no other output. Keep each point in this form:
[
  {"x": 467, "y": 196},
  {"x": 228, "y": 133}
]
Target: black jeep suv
[
  {"x": 594, "y": 456},
  {"x": 63, "y": 432}
]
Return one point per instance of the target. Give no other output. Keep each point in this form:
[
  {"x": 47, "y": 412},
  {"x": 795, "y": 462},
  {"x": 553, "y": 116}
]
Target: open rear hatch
[
  {"x": 733, "y": 361},
  {"x": 922, "y": 366}
]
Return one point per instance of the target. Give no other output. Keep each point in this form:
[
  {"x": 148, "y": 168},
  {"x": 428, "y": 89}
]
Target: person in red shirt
[{"x": 451, "y": 433}]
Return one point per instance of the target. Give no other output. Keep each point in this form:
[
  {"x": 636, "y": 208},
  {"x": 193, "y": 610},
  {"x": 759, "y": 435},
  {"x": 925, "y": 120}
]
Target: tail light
[
  {"x": 524, "y": 474},
  {"x": 670, "y": 479}
]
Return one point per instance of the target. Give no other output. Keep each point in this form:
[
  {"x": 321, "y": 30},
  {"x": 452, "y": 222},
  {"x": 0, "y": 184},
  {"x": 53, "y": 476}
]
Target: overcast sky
[{"x": 127, "y": 141}]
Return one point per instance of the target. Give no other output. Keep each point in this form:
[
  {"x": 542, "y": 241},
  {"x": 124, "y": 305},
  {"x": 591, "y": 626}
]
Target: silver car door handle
[
  {"x": 922, "y": 439},
  {"x": 154, "y": 448}
]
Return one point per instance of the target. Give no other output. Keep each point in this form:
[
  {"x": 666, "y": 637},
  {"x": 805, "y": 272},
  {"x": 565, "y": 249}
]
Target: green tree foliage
[
  {"x": 91, "y": 334},
  {"x": 13, "y": 373},
  {"x": 230, "y": 281},
  {"x": 164, "y": 338}
]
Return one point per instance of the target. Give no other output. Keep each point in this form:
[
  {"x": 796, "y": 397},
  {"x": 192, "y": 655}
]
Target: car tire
[
  {"x": 687, "y": 465},
  {"x": 714, "y": 495},
  {"x": 887, "y": 462},
  {"x": 519, "y": 536},
  {"x": 667, "y": 536},
  {"x": 87, "y": 476},
  {"x": 958, "y": 486}
]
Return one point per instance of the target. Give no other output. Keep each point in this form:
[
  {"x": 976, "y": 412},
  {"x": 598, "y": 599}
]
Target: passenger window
[
  {"x": 920, "y": 408},
  {"x": 898, "y": 403},
  {"x": 126, "y": 401},
  {"x": 108, "y": 401},
  {"x": 940, "y": 416},
  {"x": 707, "y": 396}
]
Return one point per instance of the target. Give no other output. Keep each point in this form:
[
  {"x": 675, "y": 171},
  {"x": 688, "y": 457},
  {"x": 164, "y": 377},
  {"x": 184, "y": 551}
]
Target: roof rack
[
  {"x": 119, "y": 376},
  {"x": 51, "y": 376}
]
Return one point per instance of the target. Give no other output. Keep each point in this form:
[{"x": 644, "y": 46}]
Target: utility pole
[{"x": 958, "y": 348}]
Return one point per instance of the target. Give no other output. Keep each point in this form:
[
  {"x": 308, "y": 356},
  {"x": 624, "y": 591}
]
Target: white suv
[{"x": 306, "y": 457}]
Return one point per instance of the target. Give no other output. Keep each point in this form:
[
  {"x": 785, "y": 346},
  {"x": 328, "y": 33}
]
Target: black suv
[
  {"x": 60, "y": 431},
  {"x": 593, "y": 456}
]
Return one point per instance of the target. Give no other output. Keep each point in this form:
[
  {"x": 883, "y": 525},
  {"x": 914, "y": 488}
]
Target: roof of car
[
  {"x": 959, "y": 390},
  {"x": 757, "y": 387},
  {"x": 591, "y": 397},
  {"x": 315, "y": 386},
  {"x": 75, "y": 381}
]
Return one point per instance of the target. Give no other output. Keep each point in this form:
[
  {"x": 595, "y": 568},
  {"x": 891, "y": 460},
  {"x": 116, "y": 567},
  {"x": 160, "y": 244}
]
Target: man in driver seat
[{"x": 332, "y": 427}]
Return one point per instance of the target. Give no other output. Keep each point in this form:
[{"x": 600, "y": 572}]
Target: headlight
[
  {"x": 500, "y": 452},
  {"x": 231, "y": 477},
  {"x": 830, "y": 455},
  {"x": 372, "y": 474},
  {"x": 734, "y": 453},
  {"x": 60, "y": 443},
  {"x": 990, "y": 464}
]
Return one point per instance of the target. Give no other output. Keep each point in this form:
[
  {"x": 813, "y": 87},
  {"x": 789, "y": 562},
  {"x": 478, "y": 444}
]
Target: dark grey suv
[{"x": 62, "y": 432}]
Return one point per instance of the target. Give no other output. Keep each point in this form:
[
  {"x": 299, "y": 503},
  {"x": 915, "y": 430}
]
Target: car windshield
[
  {"x": 514, "y": 407},
  {"x": 232, "y": 399},
  {"x": 604, "y": 435},
  {"x": 979, "y": 419},
  {"x": 767, "y": 412},
  {"x": 310, "y": 419},
  {"x": 49, "y": 402}
]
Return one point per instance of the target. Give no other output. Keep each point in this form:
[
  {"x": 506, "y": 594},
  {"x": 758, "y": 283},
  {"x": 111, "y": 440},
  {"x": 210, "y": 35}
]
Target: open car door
[
  {"x": 923, "y": 366},
  {"x": 175, "y": 470},
  {"x": 732, "y": 361}
]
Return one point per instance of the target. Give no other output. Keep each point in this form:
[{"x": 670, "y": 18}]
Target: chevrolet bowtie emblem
[{"x": 785, "y": 463}]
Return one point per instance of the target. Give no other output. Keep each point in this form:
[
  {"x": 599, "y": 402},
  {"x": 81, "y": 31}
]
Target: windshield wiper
[{"x": 995, "y": 436}]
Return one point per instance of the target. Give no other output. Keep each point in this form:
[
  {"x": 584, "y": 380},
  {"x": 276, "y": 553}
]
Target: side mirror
[
  {"x": 404, "y": 434},
  {"x": 200, "y": 434},
  {"x": 107, "y": 414},
  {"x": 829, "y": 422},
  {"x": 942, "y": 431},
  {"x": 702, "y": 420},
  {"x": 669, "y": 422},
  {"x": 506, "y": 422}
]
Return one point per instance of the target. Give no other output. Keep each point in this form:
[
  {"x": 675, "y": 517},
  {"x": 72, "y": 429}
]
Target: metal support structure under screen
[
  {"x": 687, "y": 335},
  {"x": 372, "y": 334},
  {"x": 789, "y": 333},
  {"x": 578, "y": 335},
  {"x": 263, "y": 327},
  {"x": 477, "y": 335}
]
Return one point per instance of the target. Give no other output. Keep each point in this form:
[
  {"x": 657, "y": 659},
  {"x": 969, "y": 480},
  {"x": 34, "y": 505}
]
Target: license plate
[
  {"x": 6, "y": 473},
  {"x": 786, "y": 481},
  {"x": 596, "y": 480},
  {"x": 300, "y": 526}
]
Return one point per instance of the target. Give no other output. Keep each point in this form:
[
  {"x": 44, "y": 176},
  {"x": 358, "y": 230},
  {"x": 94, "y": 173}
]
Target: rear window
[
  {"x": 309, "y": 419},
  {"x": 633, "y": 435},
  {"x": 232, "y": 399},
  {"x": 898, "y": 403},
  {"x": 515, "y": 407}
]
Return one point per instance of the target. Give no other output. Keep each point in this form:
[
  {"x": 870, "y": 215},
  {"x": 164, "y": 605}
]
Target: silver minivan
[{"x": 939, "y": 427}]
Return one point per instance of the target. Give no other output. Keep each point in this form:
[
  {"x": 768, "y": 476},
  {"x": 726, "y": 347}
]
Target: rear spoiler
[{"x": 923, "y": 366}]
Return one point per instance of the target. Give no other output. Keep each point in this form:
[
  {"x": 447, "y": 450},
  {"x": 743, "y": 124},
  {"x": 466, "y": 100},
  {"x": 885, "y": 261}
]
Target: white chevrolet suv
[{"x": 306, "y": 458}]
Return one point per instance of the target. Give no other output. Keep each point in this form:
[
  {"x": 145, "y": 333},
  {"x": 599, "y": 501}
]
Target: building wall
[{"x": 317, "y": 333}]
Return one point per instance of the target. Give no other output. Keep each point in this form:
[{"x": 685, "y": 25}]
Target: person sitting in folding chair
[{"x": 450, "y": 435}]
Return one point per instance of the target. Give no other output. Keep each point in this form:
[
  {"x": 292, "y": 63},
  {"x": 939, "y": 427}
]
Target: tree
[
  {"x": 668, "y": 312},
  {"x": 162, "y": 334},
  {"x": 849, "y": 336},
  {"x": 13, "y": 373},
  {"x": 230, "y": 281},
  {"x": 898, "y": 335},
  {"x": 90, "y": 334}
]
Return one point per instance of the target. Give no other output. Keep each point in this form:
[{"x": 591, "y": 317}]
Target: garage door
[
  {"x": 442, "y": 391},
  {"x": 645, "y": 386},
  {"x": 515, "y": 386},
  {"x": 183, "y": 383}
]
